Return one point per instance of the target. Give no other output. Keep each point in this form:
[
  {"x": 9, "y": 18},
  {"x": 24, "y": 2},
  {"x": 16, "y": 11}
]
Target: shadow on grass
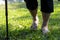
[
  {"x": 27, "y": 34},
  {"x": 2, "y": 32}
]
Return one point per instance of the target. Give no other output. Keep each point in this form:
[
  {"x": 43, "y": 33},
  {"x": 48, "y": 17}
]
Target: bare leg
[
  {"x": 35, "y": 19},
  {"x": 32, "y": 6},
  {"x": 45, "y": 22}
]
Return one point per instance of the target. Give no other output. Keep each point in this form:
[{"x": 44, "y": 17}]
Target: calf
[{"x": 46, "y": 9}]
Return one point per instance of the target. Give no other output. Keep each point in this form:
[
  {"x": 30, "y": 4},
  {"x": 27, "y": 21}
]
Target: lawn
[{"x": 20, "y": 21}]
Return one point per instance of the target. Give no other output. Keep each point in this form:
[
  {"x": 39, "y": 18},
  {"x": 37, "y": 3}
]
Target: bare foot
[
  {"x": 35, "y": 24},
  {"x": 45, "y": 29}
]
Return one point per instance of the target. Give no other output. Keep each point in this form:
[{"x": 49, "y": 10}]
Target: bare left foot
[{"x": 45, "y": 29}]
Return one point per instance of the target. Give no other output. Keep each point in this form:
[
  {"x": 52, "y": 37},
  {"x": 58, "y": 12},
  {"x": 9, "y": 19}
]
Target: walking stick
[{"x": 6, "y": 14}]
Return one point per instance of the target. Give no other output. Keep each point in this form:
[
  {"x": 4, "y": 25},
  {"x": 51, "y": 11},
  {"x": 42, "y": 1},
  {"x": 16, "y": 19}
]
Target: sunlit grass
[{"x": 20, "y": 21}]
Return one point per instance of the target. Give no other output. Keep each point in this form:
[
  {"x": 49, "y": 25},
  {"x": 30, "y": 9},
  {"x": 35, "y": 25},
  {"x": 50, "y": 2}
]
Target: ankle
[{"x": 44, "y": 25}]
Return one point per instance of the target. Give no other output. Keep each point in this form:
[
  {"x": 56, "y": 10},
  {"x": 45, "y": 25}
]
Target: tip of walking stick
[{"x": 7, "y": 38}]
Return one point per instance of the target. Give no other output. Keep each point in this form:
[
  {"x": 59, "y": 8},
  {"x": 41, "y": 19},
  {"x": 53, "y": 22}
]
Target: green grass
[{"x": 20, "y": 21}]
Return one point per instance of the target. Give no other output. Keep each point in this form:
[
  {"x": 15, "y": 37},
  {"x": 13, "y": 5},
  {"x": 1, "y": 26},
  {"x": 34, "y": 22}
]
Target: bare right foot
[{"x": 35, "y": 24}]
